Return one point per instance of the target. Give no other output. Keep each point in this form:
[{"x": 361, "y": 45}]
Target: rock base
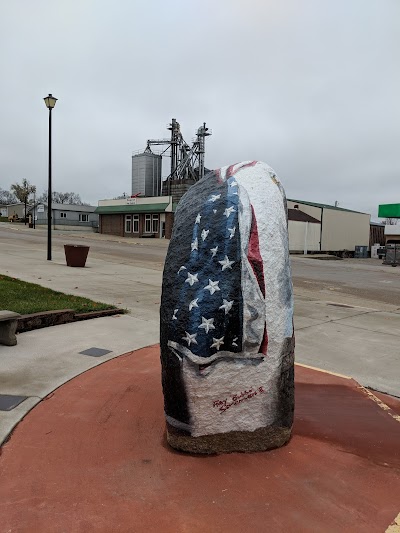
[{"x": 260, "y": 440}]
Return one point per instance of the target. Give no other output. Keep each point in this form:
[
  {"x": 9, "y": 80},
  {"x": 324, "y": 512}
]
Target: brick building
[{"x": 137, "y": 217}]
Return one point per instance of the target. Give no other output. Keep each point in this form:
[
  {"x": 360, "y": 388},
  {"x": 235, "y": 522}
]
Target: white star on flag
[
  {"x": 234, "y": 343},
  {"x": 204, "y": 234},
  {"x": 182, "y": 268},
  {"x": 195, "y": 244},
  {"x": 193, "y": 303},
  {"x": 226, "y": 306},
  {"x": 215, "y": 197},
  {"x": 190, "y": 338},
  {"x": 212, "y": 286},
  {"x": 217, "y": 343},
  {"x": 192, "y": 278},
  {"x": 198, "y": 218},
  {"x": 207, "y": 324},
  {"x": 232, "y": 232},
  {"x": 174, "y": 317},
  {"x": 214, "y": 211},
  {"x": 226, "y": 263},
  {"x": 234, "y": 184},
  {"x": 228, "y": 211},
  {"x": 214, "y": 251}
]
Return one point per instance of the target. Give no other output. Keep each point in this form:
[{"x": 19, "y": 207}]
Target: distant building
[
  {"x": 10, "y": 210},
  {"x": 312, "y": 227},
  {"x": 339, "y": 229},
  {"x": 377, "y": 234},
  {"x": 392, "y": 234},
  {"x": 68, "y": 216},
  {"x": 136, "y": 217},
  {"x": 304, "y": 231}
]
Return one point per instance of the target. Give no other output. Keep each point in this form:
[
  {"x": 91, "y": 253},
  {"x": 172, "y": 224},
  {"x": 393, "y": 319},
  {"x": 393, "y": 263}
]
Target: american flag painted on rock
[{"x": 220, "y": 302}]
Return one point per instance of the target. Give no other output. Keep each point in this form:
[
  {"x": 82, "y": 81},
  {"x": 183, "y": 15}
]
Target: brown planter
[{"x": 76, "y": 254}]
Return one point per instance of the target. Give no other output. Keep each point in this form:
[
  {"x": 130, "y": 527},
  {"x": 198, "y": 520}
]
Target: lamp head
[{"x": 50, "y": 101}]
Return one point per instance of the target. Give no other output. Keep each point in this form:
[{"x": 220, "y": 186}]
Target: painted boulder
[{"x": 227, "y": 343}]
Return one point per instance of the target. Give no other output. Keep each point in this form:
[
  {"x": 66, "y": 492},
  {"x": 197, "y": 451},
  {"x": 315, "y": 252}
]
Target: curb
[{"x": 46, "y": 319}]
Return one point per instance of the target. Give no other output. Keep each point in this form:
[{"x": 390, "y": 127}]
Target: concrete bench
[{"x": 8, "y": 327}]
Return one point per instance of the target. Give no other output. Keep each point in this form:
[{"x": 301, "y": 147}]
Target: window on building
[
  {"x": 147, "y": 223},
  {"x": 63, "y": 215},
  {"x": 135, "y": 223},
  {"x": 128, "y": 223},
  {"x": 83, "y": 217},
  {"x": 155, "y": 222}
]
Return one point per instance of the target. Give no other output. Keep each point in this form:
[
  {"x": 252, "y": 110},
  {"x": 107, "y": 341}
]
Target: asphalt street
[{"x": 366, "y": 280}]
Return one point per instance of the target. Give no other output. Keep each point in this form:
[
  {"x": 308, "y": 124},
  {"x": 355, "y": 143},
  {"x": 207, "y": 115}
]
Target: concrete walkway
[{"x": 45, "y": 359}]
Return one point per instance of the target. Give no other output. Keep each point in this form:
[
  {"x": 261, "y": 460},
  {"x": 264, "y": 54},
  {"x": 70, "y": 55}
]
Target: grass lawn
[{"x": 25, "y": 298}]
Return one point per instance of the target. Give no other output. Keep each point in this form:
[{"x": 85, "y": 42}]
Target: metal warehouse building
[{"x": 330, "y": 228}]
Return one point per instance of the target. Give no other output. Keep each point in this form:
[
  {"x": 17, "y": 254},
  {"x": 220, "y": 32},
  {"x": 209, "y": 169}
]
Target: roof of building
[
  {"x": 325, "y": 206},
  {"x": 380, "y": 224},
  {"x": 141, "y": 208},
  {"x": 300, "y": 216},
  {"x": 70, "y": 207}
]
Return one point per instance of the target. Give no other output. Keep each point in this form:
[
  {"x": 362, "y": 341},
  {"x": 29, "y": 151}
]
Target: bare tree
[
  {"x": 22, "y": 192},
  {"x": 7, "y": 197},
  {"x": 70, "y": 198}
]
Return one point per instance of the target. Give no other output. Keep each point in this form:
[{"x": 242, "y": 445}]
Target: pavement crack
[
  {"x": 371, "y": 330},
  {"x": 338, "y": 319}
]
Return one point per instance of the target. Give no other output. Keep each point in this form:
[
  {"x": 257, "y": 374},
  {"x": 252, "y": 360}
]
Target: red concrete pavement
[{"x": 93, "y": 457}]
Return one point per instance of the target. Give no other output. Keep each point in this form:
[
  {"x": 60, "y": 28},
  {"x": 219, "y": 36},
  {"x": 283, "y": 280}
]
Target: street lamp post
[
  {"x": 34, "y": 207},
  {"x": 50, "y": 102}
]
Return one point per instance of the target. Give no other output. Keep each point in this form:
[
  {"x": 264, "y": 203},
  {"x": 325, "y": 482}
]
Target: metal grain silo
[{"x": 146, "y": 174}]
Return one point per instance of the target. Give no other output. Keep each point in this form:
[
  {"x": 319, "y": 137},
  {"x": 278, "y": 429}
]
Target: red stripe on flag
[
  {"x": 264, "y": 344},
  {"x": 253, "y": 254},
  {"x": 256, "y": 262}
]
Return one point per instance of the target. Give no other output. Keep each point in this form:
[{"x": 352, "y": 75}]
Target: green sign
[{"x": 389, "y": 211}]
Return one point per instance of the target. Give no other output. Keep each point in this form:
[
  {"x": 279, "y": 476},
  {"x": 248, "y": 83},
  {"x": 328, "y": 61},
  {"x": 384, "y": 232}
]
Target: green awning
[
  {"x": 389, "y": 211},
  {"x": 122, "y": 209}
]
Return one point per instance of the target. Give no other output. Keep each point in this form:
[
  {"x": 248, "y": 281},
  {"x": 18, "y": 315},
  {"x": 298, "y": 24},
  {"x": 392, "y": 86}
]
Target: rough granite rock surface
[{"x": 227, "y": 343}]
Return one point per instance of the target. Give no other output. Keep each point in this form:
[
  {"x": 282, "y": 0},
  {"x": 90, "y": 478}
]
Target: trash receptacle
[
  {"x": 361, "y": 252},
  {"x": 76, "y": 254}
]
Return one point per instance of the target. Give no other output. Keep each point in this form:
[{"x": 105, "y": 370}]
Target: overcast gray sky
[{"x": 312, "y": 87}]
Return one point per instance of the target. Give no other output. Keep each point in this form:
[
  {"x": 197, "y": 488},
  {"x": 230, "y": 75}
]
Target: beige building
[
  {"x": 12, "y": 210},
  {"x": 304, "y": 231},
  {"x": 339, "y": 229},
  {"x": 392, "y": 234}
]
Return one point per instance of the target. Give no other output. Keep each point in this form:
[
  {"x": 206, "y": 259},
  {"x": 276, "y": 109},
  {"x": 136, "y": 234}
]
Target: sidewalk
[
  {"x": 45, "y": 359},
  {"x": 93, "y": 457}
]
